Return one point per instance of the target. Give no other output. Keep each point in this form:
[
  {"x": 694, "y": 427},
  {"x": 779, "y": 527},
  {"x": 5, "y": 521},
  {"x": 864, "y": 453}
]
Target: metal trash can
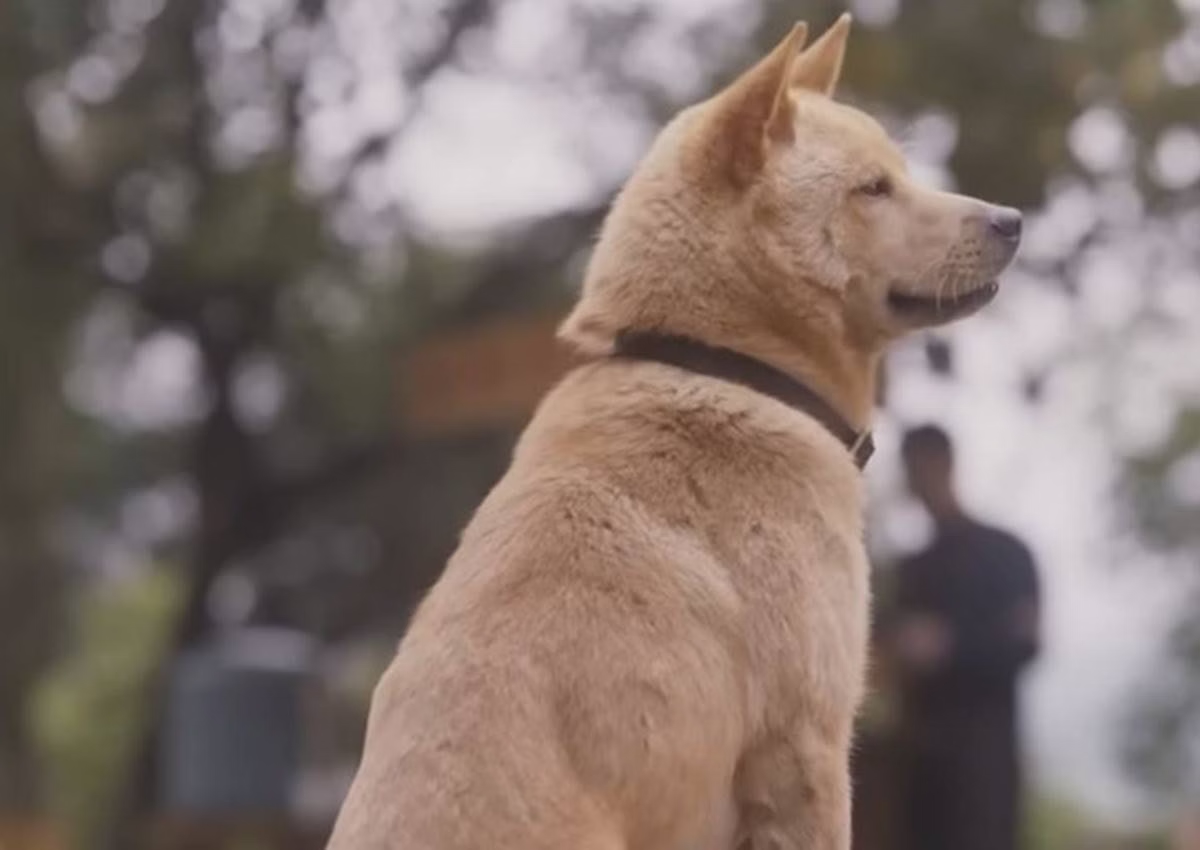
[{"x": 233, "y": 735}]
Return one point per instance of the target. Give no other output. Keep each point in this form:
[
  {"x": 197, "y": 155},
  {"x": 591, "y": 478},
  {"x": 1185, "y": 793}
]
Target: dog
[{"x": 653, "y": 633}]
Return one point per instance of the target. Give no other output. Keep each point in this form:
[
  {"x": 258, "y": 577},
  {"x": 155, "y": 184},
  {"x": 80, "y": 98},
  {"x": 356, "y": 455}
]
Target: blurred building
[{"x": 481, "y": 377}]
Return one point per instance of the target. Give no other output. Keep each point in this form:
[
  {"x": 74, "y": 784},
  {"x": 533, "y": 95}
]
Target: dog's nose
[{"x": 1006, "y": 222}]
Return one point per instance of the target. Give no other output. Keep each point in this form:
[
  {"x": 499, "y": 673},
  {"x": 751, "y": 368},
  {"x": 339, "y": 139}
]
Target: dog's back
[{"x": 576, "y": 679}]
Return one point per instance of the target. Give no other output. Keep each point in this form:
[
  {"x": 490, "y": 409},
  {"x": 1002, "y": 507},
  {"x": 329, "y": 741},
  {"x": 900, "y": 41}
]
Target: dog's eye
[{"x": 880, "y": 187}]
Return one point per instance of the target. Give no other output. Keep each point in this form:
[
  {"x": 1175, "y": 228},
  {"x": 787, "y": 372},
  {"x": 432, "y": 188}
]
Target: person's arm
[
  {"x": 916, "y": 637},
  {"x": 1000, "y": 648},
  {"x": 923, "y": 643}
]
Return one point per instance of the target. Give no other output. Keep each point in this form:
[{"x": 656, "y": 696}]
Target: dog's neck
[
  {"x": 845, "y": 379},
  {"x": 646, "y": 276},
  {"x": 735, "y": 367},
  {"x": 813, "y": 353},
  {"x": 815, "y": 348}
]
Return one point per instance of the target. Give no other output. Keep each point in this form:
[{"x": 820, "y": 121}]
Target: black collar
[{"x": 728, "y": 365}]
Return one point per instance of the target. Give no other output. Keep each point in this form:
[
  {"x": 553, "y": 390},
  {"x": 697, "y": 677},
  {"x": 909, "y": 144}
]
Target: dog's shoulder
[{"x": 642, "y": 417}]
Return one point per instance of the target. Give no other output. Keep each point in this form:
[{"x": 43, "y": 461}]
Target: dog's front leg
[{"x": 795, "y": 795}]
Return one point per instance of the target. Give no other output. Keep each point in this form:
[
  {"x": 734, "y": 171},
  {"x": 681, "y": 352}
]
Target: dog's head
[{"x": 773, "y": 204}]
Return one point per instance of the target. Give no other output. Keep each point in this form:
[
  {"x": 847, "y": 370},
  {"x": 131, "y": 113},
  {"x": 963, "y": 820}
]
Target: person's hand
[
  {"x": 923, "y": 642},
  {"x": 1026, "y": 622}
]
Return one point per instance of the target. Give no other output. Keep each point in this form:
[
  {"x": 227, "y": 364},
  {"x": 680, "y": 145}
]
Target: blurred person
[{"x": 966, "y": 625}]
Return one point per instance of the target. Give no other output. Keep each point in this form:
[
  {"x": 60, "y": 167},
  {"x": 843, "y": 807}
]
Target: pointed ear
[
  {"x": 820, "y": 66},
  {"x": 755, "y": 107},
  {"x": 779, "y": 122}
]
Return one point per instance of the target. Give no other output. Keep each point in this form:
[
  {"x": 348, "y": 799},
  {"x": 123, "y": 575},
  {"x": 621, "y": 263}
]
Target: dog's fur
[{"x": 652, "y": 635}]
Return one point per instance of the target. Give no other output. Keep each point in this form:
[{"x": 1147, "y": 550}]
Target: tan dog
[{"x": 652, "y": 635}]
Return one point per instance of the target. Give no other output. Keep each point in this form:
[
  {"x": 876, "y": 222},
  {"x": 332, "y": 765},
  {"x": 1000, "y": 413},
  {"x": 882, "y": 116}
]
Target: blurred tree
[
  {"x": 1162, "y": 490},
  {"x": 121, "y": 630},
  {"x": 203, "y": 163},
  {"x": 38, "y": 302}
]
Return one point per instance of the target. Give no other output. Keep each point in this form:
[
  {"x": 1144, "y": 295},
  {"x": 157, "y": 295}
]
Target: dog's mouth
[{"x": 941, "y": 308}]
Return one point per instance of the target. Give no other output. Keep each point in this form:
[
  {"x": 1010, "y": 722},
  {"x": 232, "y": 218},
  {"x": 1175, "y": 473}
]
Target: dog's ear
[
  {"x": 820, "y": 66},
  {"x": 781, "y": 65},
  {"x": 756, "y": 107}
]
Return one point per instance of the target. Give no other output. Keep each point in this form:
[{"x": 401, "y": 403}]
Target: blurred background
[{"x": 278, "y": 281}]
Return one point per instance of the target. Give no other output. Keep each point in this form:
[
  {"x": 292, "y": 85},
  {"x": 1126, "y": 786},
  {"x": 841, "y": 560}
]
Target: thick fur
[{"x": 653, "y": 633}]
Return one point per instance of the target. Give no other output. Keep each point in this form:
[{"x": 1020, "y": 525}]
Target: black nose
[{"x": 1006, "y": 222}]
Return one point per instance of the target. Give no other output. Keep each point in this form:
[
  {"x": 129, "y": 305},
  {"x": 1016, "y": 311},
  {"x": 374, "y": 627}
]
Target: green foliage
[
  {"x": 1166, "y": 506},
  {"x": 1053, "y": 824},
  {"x": 89, "y": 709},
  {"x": 1161, "y": 488}
]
